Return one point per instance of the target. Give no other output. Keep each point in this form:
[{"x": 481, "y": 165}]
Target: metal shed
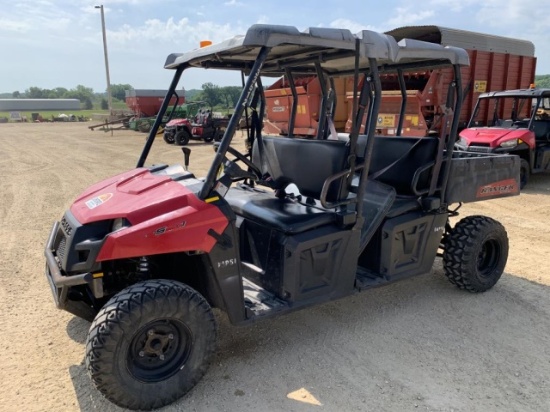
[{"x": 27, "y": 105}]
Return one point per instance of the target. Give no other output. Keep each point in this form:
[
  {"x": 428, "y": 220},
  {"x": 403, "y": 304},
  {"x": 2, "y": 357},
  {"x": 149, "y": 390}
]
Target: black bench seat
[{"x": 285, "y": 215}]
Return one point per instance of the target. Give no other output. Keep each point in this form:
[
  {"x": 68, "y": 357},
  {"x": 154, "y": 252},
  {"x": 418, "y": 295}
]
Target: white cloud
[
  {"x": 15, "y": 26},
  {"x": 351, "y": 25},
  {"x": 263, "y": 19},
  {"x": 233, "y": 3},
  {"x": 172, "y": 31},
  {"x": 405, "y": 17},
  {"x": 453, "y": 5}
]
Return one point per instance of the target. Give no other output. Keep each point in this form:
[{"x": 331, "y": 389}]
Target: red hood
[
  {"x": 492, "y": 136},
  {"x": 137, "y": 195},
  {"x": 165, "y": 215},
  {"x": 177, "y": 122}
]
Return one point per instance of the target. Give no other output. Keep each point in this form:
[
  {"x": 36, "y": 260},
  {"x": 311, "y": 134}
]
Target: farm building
[{"x": 7, "y": 105}]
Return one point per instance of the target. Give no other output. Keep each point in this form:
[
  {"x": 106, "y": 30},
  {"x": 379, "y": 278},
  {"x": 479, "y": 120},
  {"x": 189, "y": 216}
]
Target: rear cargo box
[{"x": 477, "y": 176}]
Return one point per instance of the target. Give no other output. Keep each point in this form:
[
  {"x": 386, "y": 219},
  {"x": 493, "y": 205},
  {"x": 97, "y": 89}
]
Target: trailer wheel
[
  {"x": 150, "y": 344},
  {"x": 182, "y": 137},
  {"x": 476, "y": 251},
  {"x": 523, "y": 173}
]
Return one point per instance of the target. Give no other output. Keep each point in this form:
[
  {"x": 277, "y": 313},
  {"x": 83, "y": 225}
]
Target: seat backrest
[
  {"x": 413, "y": 155},
  {"x": 506, "y": 123},
  {"x": 306, "y": 163},
  {"x": 410, "y": 155},
  {"x": 542, "y": 130}
]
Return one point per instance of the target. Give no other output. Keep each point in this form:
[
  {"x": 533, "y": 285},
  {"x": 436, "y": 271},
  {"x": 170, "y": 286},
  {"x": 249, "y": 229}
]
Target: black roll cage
[{"x": 309, "y": 61}]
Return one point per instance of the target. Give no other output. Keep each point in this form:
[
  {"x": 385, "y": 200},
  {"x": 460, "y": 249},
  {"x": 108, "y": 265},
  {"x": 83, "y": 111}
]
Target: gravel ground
[{"x": 420, "y": 344}]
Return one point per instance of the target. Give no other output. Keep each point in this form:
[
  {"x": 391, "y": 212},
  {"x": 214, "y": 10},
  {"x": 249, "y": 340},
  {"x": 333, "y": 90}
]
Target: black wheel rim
[
  {"x": 488, "y": 258},
  {"x": 159, "y": 350}
]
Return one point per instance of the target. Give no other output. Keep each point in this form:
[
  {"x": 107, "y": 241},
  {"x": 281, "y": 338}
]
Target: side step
[
  {"x": 260, "y": 302},
  {"x": 366, "y": 279}
]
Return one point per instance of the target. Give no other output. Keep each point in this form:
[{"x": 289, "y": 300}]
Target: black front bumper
[{"x": 61, "y": 284}]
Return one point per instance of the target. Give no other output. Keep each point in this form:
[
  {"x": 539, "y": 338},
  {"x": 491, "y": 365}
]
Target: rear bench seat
[{"x": 410, "y": 175}]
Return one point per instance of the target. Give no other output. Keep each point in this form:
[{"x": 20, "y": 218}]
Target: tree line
[{"x": 543, "y": 81}]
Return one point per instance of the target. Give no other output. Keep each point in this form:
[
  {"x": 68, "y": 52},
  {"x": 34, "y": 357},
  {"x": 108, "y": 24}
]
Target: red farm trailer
[
  {"x": 147, "y": 102},
  {"x": 497, "y": 63},
  {"x": 308, "y": 89}
]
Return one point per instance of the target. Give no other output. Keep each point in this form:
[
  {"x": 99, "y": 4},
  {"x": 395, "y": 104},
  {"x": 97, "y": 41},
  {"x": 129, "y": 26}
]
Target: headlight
[
  {"x": 462, "y": 142},
  {"x": 120, "y": 223},
  {"x": 509, "y": 144}
]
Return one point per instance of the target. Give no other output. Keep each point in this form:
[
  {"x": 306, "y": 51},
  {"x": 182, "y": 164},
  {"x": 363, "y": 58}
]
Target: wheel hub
[
  {"x": 488, "y": 257},
  {"x": 159, "y": 350},
  {"x": 156, "y": 344}
]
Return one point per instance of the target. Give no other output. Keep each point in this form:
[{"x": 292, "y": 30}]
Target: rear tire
[
  {"x": 150, "y": 344},
  {"x": 182, "y": 137},
  {"x": 476, "y": 251},
  {"x": 523, "y": 173},
  {"x": 219, "y": 135},
  {"x": 210, "y": 137}
]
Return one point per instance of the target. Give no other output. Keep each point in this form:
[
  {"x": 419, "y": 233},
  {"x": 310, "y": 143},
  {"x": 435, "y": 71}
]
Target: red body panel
[
  {"x": 179, "y": 122},
  {"x": 165, "y": 215},
  {"x": 494, "y": 136},
  {"x": 197, "y": 131}
]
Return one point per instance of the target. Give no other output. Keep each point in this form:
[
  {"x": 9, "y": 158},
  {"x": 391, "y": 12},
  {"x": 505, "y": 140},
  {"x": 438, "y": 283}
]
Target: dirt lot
[{"x": 420, "y": 344}]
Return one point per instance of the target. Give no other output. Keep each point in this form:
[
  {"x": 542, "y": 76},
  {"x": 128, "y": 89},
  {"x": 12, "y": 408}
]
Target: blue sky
[{"x": 58, "y": 43}]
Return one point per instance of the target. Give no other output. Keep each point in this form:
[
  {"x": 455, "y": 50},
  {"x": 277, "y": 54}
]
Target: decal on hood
[{"x": 98, "y": 200}]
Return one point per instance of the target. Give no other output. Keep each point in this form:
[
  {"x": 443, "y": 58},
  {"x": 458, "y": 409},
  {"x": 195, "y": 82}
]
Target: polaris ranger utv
[
  {"x": 204, "y": 125},
  {"x": 512, "y": 121},
  {"x": 147, "y": 254}
]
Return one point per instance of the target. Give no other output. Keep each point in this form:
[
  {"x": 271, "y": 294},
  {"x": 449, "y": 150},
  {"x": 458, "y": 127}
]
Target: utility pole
[{"x": 109, "y": 99}]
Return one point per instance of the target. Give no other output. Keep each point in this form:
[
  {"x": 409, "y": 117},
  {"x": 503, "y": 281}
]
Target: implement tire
[
  {"x": 476, "y": 251},
  {"x": 150, "y": 344}
]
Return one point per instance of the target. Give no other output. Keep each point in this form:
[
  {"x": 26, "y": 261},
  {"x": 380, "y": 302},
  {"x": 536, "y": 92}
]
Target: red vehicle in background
[
  {"x": 515, "y": 122},
  {"x": 204, "y": 125}
]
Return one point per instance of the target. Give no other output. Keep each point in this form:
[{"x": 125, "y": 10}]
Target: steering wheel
[{"x": 246, "y": 161}]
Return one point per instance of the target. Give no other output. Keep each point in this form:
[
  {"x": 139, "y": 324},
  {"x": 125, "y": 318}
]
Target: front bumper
[
  {"x": 170, "y": 131},
  {"x": 61, "y": 283}
]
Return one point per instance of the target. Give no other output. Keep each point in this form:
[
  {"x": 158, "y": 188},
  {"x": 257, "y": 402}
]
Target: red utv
[
  {"x": 204, "y": 125},
  {"x": 514, "y": 122},
  {"x": 290, "y": 223}
]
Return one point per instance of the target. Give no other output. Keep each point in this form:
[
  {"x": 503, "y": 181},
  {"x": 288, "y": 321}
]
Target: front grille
[
  {"x": 67, "y": 228},
  {"x": 61, "y": 248},
  {"x": 480, "y": 148},
  {"x": 76, "y": 246}
]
